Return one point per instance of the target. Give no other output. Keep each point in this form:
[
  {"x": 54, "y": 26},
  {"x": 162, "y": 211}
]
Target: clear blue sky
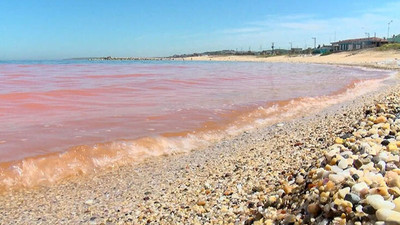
[{"x": 55, "y": 29}]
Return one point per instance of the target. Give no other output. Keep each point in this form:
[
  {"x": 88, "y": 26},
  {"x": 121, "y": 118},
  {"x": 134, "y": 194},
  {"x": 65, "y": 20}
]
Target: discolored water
[{"x": 61, "y": 118}]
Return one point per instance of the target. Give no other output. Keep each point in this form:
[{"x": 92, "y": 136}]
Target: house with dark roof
[{"x": 359, "y": 43}]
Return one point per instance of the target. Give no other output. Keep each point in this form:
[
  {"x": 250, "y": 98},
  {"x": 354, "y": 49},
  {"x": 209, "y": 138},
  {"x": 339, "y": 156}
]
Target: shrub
[{"x": 391, "y": 46}]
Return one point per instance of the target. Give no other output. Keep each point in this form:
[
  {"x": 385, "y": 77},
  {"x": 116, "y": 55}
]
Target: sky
[{"x": 54, "y": 29}]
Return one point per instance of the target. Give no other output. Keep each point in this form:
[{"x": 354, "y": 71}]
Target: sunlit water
[{"x": 62, "y": 118}]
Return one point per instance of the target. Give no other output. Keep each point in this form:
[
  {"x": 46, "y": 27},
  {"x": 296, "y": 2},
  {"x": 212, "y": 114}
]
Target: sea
[{"x": 66, "y": 118}]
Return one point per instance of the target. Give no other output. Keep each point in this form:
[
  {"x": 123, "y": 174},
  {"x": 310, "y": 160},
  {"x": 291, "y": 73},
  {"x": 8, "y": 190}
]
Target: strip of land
[
  {"x": 369, "y": 58},
  {"x": 334, "y": 165}
]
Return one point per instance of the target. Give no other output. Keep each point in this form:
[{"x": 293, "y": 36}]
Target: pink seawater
[{"x": 64, "y": 118}]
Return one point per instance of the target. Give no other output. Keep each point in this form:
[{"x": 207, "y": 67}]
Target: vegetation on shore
[{"x": 387, "y": 47}]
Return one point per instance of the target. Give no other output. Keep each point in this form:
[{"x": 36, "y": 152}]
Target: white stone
[
  {"x": 89, "y": 202},
  {"x": 332, "y": 153},
  {"x": 337, "y": 178},
  {"x": 343, "y": 192},
  {"x": 383, "y": 156},
  {"x": 336, "y": 169},
  {"x": 358, "y": 187},
  {"x": 346, "y": 173},
  {"x": 388, "y": 215},
  {"x": 343, "y": 164},
  {"x": 397, "y": 204},
  {"x": 378, "y": 202},
  {"x": 382, "y": 164}
]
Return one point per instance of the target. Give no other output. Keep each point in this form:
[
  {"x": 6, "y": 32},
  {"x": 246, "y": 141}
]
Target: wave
[{"x": 87, "y": 159}]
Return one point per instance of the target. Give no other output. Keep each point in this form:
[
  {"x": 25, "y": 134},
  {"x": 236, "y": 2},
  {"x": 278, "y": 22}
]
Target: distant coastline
[{"x": 119, "y": 58}]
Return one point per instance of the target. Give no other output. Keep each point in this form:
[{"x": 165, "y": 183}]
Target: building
[
  {"x": 326, "y": 49},
  {"x": 359, "y": 43},
  {"x": 295, "y": 50},
  {"x": 394, "y": 39}
]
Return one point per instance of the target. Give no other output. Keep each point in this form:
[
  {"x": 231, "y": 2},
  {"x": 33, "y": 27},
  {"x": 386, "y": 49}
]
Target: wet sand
[{"x": 225, "y": 183}]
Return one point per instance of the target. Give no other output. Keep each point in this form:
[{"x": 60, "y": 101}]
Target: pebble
[
  {"x": 354, "y": 199},
  {"x": 337, "y": 178},
  {"x": 201, "y": 203},
  {"x": 343, "y": 164},
  {"x": 397, "y": 204},
  {"x": 380, "y": 119},
  {"x": 89, "y": 202},
  {"x": 388, "y": 215},
  {"x": 392, "y": 147},
  {"x": 343, "y": 192},
  {"x": 357, "y": 188},
  {"x": 378, "y": 202},
  {"x": 314, "y": 209}
]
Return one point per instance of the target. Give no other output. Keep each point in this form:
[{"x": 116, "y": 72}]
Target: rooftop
[{"x": 374, "y": 39}]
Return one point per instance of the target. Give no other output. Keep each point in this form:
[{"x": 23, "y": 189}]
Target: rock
[
  {"x": 380, "y": 119},
  {"x": 385, "y": 142},
  {"x": 386, "y": 126},
  {"x": 228, "y": 192},
  {"x": 343, "y": 192},
  {"x": 357, "y": 163},
  {"x": 392, "y": 147},
  {"x": 257, "y": 189},
  {"x": 201, "y": 203},
  {"x": 355, "y": 177},
  {"x": 299, "y": 179},
  {"x": 354, "y": 199},
  {"x": 388, "y": 215},
  {"x": 397, "y": 204},
  {"x": 336, "y": 169},
  {"x": 287, "y": 188},
  {"x": 343, "y": 164},
  {"x": 381, "y": 165},
  {"x": 337, "y": 178},
  {"x": 314, "y": 209},
  {"x": 375, "y": 159},
  {"x": 378, "y": 202},
  {"x": 329, "y": 186},
  {"x": 89, "y": 202},
  {"x": 395, "y": 191},
  {"x": 392, "y": 179},
  {"x": 383, "y": 191},
  {"x": 357, "y": 188},
  {"x": 289, "y": 219},
  {"x": 338, "y": 140},
  {"x": 368, "y": 210}
]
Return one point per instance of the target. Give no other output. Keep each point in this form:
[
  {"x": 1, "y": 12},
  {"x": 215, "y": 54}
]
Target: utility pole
[
  {"x": 290, "y": 45},
  {"x": 272, "y": 47},
  {"x": 389, "y": 28},
  {"x": 315, "y": 42}
]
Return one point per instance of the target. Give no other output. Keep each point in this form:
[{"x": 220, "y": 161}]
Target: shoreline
[
  {"x": 144, "y": 192},
  {"x": 369, "y": 58}
]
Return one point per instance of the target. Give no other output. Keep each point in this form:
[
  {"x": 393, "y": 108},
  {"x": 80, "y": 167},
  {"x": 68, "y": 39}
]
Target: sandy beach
[
  {"x": 294, "y": 172},
  {"x": 369, "y": 58}
]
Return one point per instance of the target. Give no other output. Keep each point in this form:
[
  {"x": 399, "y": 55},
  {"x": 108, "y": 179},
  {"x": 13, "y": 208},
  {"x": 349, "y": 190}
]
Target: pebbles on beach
[{"x": 356, "y": 181}]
